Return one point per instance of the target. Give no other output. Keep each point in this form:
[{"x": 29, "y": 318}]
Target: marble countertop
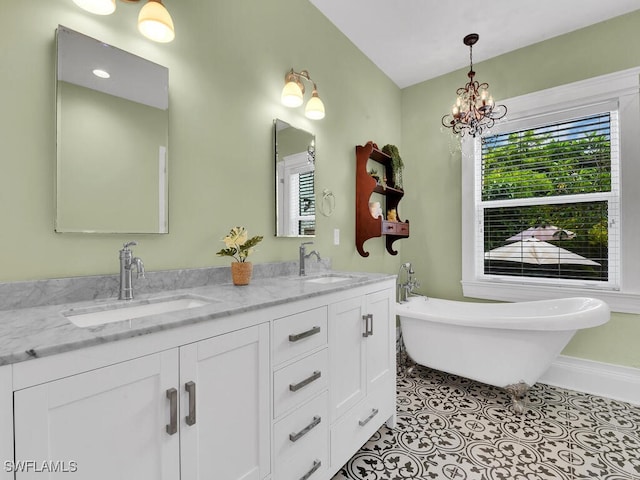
[{"x": 27, "y": 333}]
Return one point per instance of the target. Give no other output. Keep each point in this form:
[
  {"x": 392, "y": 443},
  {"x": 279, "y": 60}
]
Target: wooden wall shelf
[{"x": 366, "y": 226}]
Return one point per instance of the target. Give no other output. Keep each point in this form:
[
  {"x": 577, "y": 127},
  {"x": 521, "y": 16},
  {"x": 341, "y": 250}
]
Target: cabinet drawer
[
  {"x": 300, "y": 333},
  {"x": 388, "y": 227},
  {"x": 395, "y": 228},
  {"x": 360, "y": 423},
  {"x": 303, "y": 434},
  {"x": 402, "y": 228},
  {"x": 299, "y": 381},
  {"x": 311, "y": 466}
]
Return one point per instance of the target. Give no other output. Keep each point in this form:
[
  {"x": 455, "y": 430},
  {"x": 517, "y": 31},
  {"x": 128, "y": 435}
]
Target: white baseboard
[{"x": 603, "y": 379}]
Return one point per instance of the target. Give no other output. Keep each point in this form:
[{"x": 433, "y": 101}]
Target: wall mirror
[
  {"x": 295, "y": 158},
  {"x": 112, "y": 136}
]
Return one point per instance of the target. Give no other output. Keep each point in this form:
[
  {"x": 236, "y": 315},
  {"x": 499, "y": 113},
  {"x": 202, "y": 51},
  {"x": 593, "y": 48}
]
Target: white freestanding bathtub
[{"x": 508, "y": 345}]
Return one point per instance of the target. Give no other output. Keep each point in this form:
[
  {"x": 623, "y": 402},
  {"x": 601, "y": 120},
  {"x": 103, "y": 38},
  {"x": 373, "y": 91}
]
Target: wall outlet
[{"x": 336, "y": 236}]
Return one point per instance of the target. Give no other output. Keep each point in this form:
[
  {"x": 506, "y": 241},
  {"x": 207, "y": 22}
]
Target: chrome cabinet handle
[
  {"x": 374, "y": 412},
  {"x": 294, "y": 437},
  {"x": 172, "y": 426},
  {"x": 316, "y": 466},
  {"x": 294, "y": 387},
  {"x": 190, "y": 387},
  {"x": 300, "y": 336},
  {"x": 368, "y": 330}
]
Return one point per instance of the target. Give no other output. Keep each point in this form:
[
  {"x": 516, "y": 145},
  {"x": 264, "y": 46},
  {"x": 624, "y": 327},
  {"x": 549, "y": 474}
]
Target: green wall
[
  {"x": 433, "y": 199},
  {"x": 226, "y": 72},
  {"x": 227, "y": 68}
]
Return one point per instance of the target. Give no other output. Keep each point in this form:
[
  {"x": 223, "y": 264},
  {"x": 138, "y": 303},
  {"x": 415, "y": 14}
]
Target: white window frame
[
  {"x": 293, "y": 166},
  {"x": 620, "y": 88}
]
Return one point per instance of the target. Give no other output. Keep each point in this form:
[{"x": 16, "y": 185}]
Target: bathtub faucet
[{"x": 406, "y": 289}]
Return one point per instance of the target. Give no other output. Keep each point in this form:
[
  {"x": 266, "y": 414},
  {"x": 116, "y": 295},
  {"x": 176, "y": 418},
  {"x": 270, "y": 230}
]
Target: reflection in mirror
[
  {"x": 295, "y": 157},
  {"x": 112, "y": 135}
]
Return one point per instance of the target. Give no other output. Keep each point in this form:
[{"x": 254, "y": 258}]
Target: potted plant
[
  {"x": 396, "y": 165},
  {"x": 239, "y": 246}
]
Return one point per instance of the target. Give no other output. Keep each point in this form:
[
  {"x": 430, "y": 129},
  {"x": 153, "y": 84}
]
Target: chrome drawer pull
[
  {"x": 367, "y": 330},
  {"x": 297, "y": 386},
  {"x": 300, "y": 336},
  {"x": 190, "y": 387},
  {"x": 172, "y": 395},
  {"x": 374, "y": 412},
  {"x": 316, "y": 466},
  {"x": 294, "y": 437}
]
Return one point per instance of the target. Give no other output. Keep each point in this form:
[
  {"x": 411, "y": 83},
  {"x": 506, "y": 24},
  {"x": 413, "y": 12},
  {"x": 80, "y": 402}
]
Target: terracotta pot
[{"x": 241, "y": 272}]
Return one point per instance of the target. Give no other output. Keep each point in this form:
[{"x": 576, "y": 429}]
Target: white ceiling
[{"x": 415, "y": 40}]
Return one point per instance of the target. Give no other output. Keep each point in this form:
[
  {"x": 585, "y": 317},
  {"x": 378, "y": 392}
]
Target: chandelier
[{"x": 474, "y": 110}]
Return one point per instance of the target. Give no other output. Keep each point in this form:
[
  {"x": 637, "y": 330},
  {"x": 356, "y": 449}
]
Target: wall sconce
[
  {"x": 293, "y": 94},
  {"x": 154, "y": 21}
]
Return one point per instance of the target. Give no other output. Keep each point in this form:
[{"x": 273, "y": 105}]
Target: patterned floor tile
[{"x": 452, "y": 428}]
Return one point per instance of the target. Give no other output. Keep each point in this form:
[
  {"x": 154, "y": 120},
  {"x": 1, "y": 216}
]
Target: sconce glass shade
[
  {"x": 314, "y": 108},
  {"x": 99, "y": 7},
  {"x": 155, "y": 23},
  {"x": 291, "y": 95}
]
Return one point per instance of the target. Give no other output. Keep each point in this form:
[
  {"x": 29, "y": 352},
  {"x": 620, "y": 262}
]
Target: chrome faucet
[
  {"x": 406, "y": 289},
  {"x": 304, "y": 255},
  {"x": 127, "y": 262}
]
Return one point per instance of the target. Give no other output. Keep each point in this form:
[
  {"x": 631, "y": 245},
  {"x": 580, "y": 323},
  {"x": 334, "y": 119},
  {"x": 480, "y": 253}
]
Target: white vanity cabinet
[
  {"x": 362, "y": 369},
  {"x": 350, "y": 341},
  {"x": 6, "y": 421},
  {"x": 199, "y": 411},
  {"x": 108, "y": 422},
  {"x": 286, "y": 392},
  {"x": 300, "y": 395},
  {"x": 229, "y": 435}
]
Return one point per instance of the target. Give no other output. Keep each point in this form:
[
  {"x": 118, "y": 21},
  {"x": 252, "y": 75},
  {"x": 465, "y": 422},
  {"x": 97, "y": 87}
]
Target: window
[
  {"x": 549, "y": 202},
  {"x": 543, "y": 196},
  {"x": 299, "y": 209},
  {"x": 305, "y": 210}
]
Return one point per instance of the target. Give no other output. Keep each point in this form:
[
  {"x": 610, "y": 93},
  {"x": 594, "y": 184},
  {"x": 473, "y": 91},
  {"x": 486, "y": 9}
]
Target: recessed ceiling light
[{"x": 101, "y": 73}]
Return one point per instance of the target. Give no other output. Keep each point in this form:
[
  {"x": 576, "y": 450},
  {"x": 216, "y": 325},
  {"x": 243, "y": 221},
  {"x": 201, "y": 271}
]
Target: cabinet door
[
  {"x": 230, "y": 437},
  {"x": 380, "y": 343},
  {"x": 106, "y": 424},
  {"x": 6, "y": 420},
  {"x": 347, "y": 355}
]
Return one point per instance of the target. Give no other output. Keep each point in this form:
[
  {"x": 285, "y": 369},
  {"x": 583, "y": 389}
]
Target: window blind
[
  {"x": 307, "y": 204},
  {"x": 549, "y": 201}
]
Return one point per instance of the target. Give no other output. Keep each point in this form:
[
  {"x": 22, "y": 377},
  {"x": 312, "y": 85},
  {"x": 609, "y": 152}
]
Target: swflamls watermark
[{"x": 41, "y": 466}]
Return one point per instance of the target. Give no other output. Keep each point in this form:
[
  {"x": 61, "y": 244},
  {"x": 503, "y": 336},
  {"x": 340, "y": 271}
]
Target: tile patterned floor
[{"x": 453, "y": 428}]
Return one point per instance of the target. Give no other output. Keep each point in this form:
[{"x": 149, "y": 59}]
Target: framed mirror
[
  {"x": 295, "y": 161},
  {"x": 112, "y": 137}
]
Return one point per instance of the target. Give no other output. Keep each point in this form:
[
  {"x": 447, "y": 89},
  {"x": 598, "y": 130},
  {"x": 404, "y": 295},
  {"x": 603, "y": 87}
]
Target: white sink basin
[
  {"x": 124, "y": 310},
  {"x": 329, "y": 279}
]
